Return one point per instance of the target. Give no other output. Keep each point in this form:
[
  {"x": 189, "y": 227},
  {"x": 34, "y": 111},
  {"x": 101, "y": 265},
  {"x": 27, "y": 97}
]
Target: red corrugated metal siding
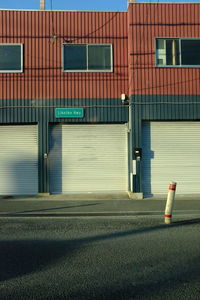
[
  {"x": 43, "y": 76},
  {"x": 148, "y": 21}
]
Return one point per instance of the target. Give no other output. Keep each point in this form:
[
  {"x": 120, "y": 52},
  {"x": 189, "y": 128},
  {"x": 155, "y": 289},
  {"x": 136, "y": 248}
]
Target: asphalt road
[{"x": 99, "y": 258}]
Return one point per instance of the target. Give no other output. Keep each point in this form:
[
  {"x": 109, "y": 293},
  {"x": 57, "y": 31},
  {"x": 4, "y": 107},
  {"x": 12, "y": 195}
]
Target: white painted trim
[
  {"x": 88, "y": 71},
  {"x": 180, "y": 57},
  {"x": 176, "y": 3},
  {"x": 60, "y": 10},
  {"x": 14, "y": 71}
]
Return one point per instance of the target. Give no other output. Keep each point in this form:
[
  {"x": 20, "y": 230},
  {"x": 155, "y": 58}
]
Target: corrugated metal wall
[
  {"x": 95, "y": 110},
  {"x": 160, "y": 93},
  {"x": 160, "y": 108},
  {"x": 42, "y": 112},
  {"x": 42, "y": 77},
  {"x": 147, "y": 22}
]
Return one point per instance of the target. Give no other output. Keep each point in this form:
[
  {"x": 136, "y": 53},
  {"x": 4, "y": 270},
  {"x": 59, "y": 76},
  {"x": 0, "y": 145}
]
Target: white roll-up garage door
[
  {"x": 88, "y": 158},
  {"x": 171, "y": 152},
  {"x": 18, "y": 160}
]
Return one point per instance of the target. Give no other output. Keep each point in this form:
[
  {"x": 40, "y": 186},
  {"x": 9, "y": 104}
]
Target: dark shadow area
[
  {"x": 186, "y": 222},
  {"x": 19, "y": 166},
  {"x": 75, "y": 214},
  {"x": 161, "y": 288},
  {"x": 24, "y": 176},
  {"x": 8, "y": 197},
  {"x": 140, "y": 231},
  {"x": 19, "y": 257},
  {"x": 55, "y": 158},
  {"x": 28, "y": 256},
  {"x": 148, "y": 155},
  {"x": 55, "y": 208}
]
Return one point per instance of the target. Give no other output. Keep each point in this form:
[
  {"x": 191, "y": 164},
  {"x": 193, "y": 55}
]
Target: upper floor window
[
  {"x": 11, "y": 58},
  {"x": 87, "y": 58},
  {"x": 178, "y": 52}
]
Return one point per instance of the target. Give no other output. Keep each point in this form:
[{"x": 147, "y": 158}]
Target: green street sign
[{"x": 69, "y": 112}]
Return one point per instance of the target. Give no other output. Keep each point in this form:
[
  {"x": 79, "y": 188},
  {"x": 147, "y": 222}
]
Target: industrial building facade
[{"x": 100, "y": 101}]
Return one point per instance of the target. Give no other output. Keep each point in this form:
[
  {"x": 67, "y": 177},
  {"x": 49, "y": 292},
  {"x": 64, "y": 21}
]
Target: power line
[
  {"x": 133, "y": 75},
  {"x": 100, "y": 106},
  {"x": 97, "y": 29}
]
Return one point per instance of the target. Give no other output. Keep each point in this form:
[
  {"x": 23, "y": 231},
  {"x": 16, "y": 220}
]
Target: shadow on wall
[
  {"x": 55, "y": 158},
  {"x": 148, "y": 155},
  {"x": 19, "y": 177}
]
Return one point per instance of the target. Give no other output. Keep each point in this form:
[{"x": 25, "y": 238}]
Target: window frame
[
  {"x": 89, "y": 70},
  {"x": 180, "y": 57},
  {"x": 22, "y": 65}
]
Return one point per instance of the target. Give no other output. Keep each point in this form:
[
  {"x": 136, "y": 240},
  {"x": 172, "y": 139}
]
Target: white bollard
[{"x": 170, "y": 202}]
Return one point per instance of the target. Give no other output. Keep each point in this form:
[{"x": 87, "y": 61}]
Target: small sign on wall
[
  {"x": 134, "y": 167},
  {"x": 69, "y": 113}
]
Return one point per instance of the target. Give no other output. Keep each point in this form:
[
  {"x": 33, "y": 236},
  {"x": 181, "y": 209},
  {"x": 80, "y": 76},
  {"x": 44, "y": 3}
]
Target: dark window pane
[
  {"x": 75, "y": 57},
  {"x": 177, "y": 52},
  {"x": 190, "y": 52},
  {"x": 160, "y": 62},
  {"x": 169, "y": 52},
  {"x": 99, "y": 57},
  {"x": 10, "y": 58}
]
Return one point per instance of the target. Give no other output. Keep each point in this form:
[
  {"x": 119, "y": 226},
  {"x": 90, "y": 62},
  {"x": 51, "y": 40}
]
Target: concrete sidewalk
[{"x": 61, "y": 205}]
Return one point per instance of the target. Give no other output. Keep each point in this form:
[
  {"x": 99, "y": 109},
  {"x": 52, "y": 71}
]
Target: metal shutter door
[
  {"x": 88, "y": 158},
  {"x": 18, "y": 160},
  {"x": 171, "y": 152}
]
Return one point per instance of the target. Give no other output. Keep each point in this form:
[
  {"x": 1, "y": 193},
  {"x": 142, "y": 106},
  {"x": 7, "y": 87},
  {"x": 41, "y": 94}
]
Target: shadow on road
[
  {"x": 19, "y": 257},
  {"x": 22, "y": 257},
  {"x": 53, "y": 208}
]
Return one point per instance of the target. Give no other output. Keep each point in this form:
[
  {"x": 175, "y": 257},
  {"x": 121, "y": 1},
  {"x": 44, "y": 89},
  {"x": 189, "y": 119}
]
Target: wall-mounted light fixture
[{"x": 124, "y": 99}]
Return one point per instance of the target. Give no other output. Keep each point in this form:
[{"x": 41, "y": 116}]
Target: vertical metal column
[
  {"x": 43, "y": 159},
  {"x": 130, "y": 125}
]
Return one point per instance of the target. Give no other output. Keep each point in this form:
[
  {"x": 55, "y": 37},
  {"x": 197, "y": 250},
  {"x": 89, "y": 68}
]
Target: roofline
[
  {"x": 60, "y": 10},
  {"x": 131, "y": 2},
  {"x": 98, "y": 11}
]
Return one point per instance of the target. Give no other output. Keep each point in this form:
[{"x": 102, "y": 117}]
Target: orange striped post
[{"x": 170, "y": 203}]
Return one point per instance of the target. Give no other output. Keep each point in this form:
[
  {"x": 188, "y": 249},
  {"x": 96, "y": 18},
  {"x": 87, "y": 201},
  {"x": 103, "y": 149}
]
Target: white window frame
[
  {"x": 14, "y": 71},
  {"x": 89, "y": 71},
  {"x": 180, "y": 57}
]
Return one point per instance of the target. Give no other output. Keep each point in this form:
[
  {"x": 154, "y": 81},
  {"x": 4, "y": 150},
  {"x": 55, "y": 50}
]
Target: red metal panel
[
  {"x": 43, "y": 77},
  {"x": 147, "y": 22}
]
